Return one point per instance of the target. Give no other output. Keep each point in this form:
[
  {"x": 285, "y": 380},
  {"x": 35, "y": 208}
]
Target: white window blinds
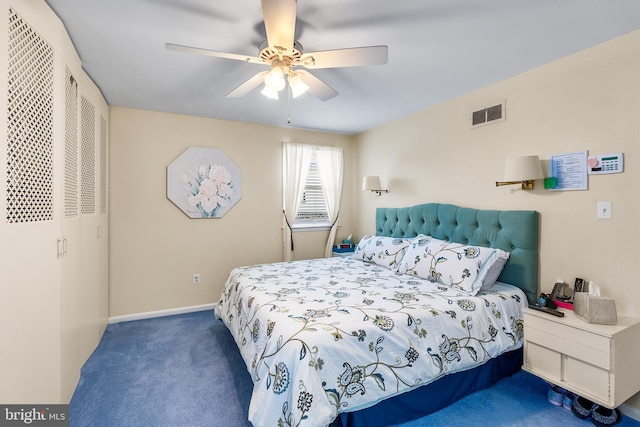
[{"x": 313, "y": 205}]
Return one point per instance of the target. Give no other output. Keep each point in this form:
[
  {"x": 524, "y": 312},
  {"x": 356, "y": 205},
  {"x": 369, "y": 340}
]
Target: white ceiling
[{"x": 438, "y": 50}]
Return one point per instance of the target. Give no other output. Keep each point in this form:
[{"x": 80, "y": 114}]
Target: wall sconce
[
  {"x": 522, "y": 170},
  {"x": 372, "y": 183}
]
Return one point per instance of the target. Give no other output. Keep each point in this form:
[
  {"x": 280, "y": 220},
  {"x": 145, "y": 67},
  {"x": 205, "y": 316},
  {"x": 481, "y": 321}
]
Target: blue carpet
[{"x": 185, "y": 370}]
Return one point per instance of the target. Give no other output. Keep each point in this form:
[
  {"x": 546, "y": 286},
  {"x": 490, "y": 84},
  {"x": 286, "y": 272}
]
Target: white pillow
[
  {"x": 459, "y": 266},
  {"x": 494, "y": 271},
  {"x": 381, "y": 250}
]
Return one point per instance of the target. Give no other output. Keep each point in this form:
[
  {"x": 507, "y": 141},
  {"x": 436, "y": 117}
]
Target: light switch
[{"x": 604, "y": 210}]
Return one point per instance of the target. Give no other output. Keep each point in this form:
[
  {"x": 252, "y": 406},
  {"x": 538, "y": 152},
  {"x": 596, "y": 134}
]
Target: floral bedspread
[{"x": 334, "y": 335}]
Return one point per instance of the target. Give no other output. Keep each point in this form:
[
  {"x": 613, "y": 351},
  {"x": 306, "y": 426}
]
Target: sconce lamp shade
[
  {"x": 522, "y": 170},
  {"x": 525, "y": 168},
  {"x": 371, "y": 183}
]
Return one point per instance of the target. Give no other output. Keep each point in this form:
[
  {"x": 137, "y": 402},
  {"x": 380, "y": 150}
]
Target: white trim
[
  {"x": 160, "y": 313},
  {"x": 310, "y": 227},
  {"x": 630, "y": 411}
]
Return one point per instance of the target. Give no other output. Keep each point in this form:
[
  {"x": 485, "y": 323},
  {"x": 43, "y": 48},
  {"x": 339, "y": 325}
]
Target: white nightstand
[
  {"x": 344, "y": 252},
  {"x": 598, "y": 362}
]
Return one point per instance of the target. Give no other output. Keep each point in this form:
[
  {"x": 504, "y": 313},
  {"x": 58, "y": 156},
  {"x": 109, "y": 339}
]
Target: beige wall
[
  {"x": 155, "y": 248},
  {"x": 589, "y": 101}
]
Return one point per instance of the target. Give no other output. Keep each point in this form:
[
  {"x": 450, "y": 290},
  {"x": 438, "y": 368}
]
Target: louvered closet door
[
  {"x": 93, "y": 206},
  {"x": 29, "y": 226},
  {"x": 84, "y": 292},
  {"x": 88, "y": 209},
  {"x": 103, "y": 217},
  {"x": 73, "y": 299}
]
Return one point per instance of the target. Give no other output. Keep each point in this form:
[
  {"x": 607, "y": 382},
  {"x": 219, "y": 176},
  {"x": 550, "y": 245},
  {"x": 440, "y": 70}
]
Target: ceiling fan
[{"x": 285, "y": 56}]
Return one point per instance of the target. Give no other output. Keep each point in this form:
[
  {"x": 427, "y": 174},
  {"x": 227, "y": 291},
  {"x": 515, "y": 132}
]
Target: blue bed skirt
[{"x": 433, "y": 397}]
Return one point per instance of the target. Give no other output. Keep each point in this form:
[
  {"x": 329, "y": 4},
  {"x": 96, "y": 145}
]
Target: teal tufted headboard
[{"x": 513, "y": 231}]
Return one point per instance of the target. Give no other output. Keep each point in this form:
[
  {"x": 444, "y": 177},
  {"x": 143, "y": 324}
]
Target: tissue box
[{"x": 595, "y": 309}]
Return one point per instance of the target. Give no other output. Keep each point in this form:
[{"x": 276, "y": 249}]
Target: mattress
[{"x": 326, "y": 336}]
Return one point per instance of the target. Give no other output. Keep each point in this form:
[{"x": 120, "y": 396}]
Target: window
[
  {"x": 312, "y": 209},
  {"x": 312, "y": 184},
  {"x": 311, "y": 191}
]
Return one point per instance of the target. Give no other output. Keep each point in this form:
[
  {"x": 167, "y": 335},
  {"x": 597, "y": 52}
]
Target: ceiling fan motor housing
[{"x": 269, "y": 54}]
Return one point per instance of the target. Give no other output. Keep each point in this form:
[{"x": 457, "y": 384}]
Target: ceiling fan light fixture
[
  {"x": 269, "y": 93},
  {"x": 281, "y": 52},
  {"x": 298, "y": 87},
  {"x": 275, "y": 79}
]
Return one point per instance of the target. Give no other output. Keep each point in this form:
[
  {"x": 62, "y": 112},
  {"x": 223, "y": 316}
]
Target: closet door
[
  {"x": 94, "y": 209},
  {"x": 88, "y": 213},
  {"x": 29, "y": 225},
  {"x": 103, "y": 218},
  {"x": 84, "y": 292},
  {"x": 53, "y": 208},
  {"x": 73, "y": 302}
]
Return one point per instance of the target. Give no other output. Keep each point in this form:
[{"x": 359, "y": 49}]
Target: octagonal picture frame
[{"x": 204, "y": 183}]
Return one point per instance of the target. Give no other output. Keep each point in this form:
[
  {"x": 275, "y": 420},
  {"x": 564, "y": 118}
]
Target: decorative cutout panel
[
  {"x": 29, "y": 124},
  {"x": 87, "y": 157},
  {"x": 104, "y": 166},
  {"x": 70, "y": 146}
]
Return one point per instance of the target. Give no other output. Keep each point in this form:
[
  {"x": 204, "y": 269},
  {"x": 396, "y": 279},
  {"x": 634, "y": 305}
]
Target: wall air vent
[{"x": 487, "y": 115}]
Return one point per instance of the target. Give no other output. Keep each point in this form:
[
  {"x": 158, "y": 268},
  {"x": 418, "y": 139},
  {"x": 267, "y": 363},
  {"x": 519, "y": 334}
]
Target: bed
[{"x": 426, "y": 311}]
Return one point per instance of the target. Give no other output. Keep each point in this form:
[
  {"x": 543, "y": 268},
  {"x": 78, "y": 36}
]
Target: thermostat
[{"x": 606, "y": 163}]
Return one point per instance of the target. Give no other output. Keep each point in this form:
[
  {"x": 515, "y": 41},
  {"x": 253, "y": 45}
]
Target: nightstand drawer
[
  {"x": 589, "y": 378},
  {"x": 543, "y": 360},
  {"x": 569, "y": 347},
  {"x": 568, "y": 332}
]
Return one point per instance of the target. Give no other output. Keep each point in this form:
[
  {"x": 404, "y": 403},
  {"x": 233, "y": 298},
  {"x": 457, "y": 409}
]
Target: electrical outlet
[{"x": 196, "y": 278}]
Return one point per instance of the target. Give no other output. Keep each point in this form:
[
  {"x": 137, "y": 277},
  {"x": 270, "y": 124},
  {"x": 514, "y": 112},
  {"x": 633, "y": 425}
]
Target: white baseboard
[
  {"x": 160, "y": 313},
  {"x": 630, "y": 411}
]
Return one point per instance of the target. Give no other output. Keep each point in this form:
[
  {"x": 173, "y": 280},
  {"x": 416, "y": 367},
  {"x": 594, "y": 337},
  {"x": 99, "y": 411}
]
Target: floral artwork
[{"x": 204, "y": 183}]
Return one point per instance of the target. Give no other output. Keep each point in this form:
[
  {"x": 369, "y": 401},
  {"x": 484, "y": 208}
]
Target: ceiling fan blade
[
  {"x": 280, "y": 24},
  {"x": 351, "y": 57},
  {"x": 247, "y": 86},
  {"x": 316, "y": 86},
  {"x": 201, "y": 51}
]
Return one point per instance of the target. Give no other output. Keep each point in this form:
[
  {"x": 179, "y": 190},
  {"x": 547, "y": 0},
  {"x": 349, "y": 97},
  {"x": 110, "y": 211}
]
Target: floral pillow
[
  {"x": 381, "y": 250},
  {"x": 459, "y": 266}
]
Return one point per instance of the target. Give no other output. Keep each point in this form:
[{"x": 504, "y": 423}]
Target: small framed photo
[{"x": 579, "y": 285}]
